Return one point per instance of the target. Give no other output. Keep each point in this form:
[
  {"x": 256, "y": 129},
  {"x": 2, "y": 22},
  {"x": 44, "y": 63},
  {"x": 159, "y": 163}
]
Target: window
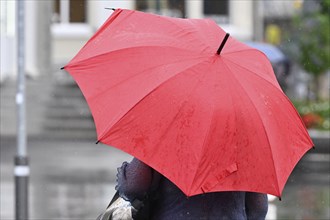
[
  {"x": 216, "y": 7},
  {"x": 174, "y": 8},
  {"x": 69, "y": 11},
  {"x": 70, "y": 19},
  {"x": 218, "y": 10}
]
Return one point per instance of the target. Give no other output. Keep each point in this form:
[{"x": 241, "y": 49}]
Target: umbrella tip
[
  {"x": 113, "y": 9},
  {"x": 97, "y": 142},
  {"x": 280, "y": 198},
  {"x": 222, "y": 43},
  {"x": 62, "y": 68}
]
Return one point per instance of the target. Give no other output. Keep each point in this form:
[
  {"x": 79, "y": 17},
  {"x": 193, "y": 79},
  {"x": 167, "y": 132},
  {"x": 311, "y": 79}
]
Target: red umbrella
[{"x": 200, "y": 107}]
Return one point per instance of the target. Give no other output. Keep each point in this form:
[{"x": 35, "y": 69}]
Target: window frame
[{"x": 67, "y": 29}]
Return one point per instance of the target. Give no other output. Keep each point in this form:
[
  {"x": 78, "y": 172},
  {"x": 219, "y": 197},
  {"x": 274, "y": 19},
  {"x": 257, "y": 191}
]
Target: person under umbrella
[{"x": 137, "y": 182}]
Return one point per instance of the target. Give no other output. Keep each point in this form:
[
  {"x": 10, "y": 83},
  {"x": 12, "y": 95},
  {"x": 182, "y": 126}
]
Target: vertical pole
[{"x": 21, "y": 170}]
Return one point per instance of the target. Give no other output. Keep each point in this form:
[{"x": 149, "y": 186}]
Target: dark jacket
[{"x": 136, "y": 180}]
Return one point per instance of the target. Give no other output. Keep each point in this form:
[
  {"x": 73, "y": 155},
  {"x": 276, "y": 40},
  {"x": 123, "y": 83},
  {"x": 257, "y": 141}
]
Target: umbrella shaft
[{"x": 223, "y": 43}]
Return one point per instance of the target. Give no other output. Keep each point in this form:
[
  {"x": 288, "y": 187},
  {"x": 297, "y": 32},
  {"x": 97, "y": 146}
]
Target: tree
[{"x": 312, "y": 36}]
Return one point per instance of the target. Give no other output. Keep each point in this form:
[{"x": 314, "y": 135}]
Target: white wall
[
  {"x": 69, "y": 38},
  {"x": 67, "y": 41},
  {"x": 240, "y": 17},
  {"x": 8, "y": 40},
  {"x": 97, "y": 13},
  {"x": 194, "y": 9},
  {"x": 31, "y": 23}
]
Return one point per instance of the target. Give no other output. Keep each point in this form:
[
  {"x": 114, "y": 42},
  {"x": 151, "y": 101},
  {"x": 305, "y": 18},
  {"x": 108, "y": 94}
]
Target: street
[
  {"x": 76, "y": 180},
  {"x": 68, "y": 180}
]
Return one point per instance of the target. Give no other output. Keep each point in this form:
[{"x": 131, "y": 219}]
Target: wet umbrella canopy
[{"x": 200, "y": 107}]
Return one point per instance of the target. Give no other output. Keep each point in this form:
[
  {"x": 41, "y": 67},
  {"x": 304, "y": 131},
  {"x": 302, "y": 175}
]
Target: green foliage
[
  {"x": 312, "y": 34},
  {"x": 315, "y": 114}
]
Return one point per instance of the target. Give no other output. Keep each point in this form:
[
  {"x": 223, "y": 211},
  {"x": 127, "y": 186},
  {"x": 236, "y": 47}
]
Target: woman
[{"x": 137, "y": 181}]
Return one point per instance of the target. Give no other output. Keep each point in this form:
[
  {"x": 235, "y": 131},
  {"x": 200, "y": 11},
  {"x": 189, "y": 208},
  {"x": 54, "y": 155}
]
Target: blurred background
[{"x": 71, "y": 177}]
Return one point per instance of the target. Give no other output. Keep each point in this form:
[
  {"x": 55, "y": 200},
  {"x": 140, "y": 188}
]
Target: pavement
[{"x": 73, "y": 178}]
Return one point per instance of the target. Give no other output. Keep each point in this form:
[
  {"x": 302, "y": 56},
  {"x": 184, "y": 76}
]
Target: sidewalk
[{"x": 68, "y": 179}]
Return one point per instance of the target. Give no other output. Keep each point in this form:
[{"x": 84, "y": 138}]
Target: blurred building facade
[{"x": 55, "y": 30}]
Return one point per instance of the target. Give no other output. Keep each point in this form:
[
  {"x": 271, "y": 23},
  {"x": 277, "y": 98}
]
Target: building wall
[
  {"x": 240, "y": 23},
  {"x": 38, "y": 43},
  {"x": 241, "y": 19},
  {"x": 7, "y": 43},
  {"x": 69, "y": 38},
  {"x": 37, "y": 38}
]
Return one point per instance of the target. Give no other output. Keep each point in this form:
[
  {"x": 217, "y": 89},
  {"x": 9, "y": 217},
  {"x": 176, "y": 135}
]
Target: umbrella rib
[
  {"x": 81, "y": 62},
  {"x": 137, "y": 74},
  {"x": 229, "y": 60},
  {"x": 176, "y": 115},
  {"x": 179, "y": 110},
  {"x": 264, "y": 128},
  {"x": 204, "y": 141},
  {"x": 253, "y": 49},
  {"x": 248, "y": 49},
  {"x": 194, "y": 27},
  {"x": 152, "y": 90},
  {"x": 109, "y": 22}
]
